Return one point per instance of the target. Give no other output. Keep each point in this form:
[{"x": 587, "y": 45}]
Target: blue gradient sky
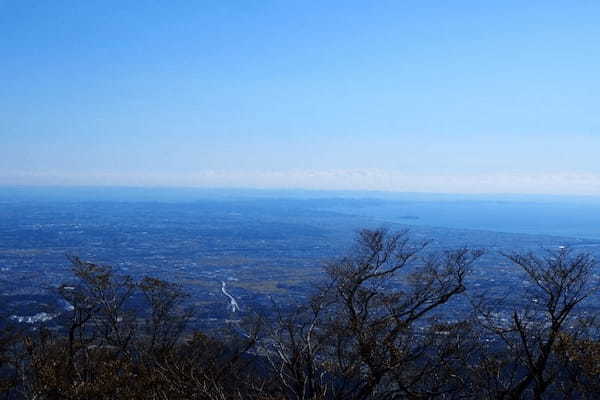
[{"x": 461, "y": 96}]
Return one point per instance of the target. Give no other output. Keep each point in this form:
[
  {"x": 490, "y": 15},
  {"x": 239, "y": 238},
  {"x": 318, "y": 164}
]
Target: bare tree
[
  {"x": 526, "y": 360},
  {"x": 361, "y": 337},
  {"x": 168, "y": 318},
  {"x": 105, "y": 297}
]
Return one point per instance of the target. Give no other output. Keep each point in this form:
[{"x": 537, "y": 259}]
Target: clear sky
[{"x": 436, "y": 96}]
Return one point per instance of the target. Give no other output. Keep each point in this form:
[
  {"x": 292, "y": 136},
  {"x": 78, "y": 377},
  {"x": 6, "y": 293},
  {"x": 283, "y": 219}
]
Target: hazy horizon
[{"x": 154, "y": 192}]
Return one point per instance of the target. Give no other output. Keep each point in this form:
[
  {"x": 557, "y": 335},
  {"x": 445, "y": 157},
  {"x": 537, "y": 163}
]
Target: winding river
[{"x": 233, "y": 303}]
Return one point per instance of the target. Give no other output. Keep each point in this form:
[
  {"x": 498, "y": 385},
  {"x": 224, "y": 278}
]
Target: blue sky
[{"x": 461, "y": 96}]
